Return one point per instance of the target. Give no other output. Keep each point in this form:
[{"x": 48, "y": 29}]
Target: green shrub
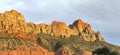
[
  {"x": 104, "y": 51},
  {"x": 113, "y": 53}
]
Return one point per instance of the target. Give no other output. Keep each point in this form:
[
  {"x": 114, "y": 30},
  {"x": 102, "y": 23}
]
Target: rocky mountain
[
  {"x": 57, "y": 38},
  {"x": 13, "y": 22}
]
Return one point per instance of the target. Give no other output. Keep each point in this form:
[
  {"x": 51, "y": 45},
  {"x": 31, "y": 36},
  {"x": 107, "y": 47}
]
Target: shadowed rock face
[
  {"x": 67, "y": 51},
  {"x": 14, "y": 21},
  {"x": 64, "y": 51}
]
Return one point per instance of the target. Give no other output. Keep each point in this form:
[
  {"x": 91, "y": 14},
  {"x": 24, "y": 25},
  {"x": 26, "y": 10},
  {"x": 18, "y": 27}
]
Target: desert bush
[{"x": 104, "y": 51}]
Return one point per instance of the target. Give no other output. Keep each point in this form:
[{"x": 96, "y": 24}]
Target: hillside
[{"x": 19, "y": 37}]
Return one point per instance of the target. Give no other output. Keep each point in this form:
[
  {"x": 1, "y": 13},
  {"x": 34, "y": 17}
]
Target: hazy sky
[{"x": 103, "y": 15}]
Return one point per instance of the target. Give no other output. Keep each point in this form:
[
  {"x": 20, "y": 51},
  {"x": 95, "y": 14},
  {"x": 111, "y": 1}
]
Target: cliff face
[
  {"x": 85, "y": 31},
  {"x": 13, "y": 22}
]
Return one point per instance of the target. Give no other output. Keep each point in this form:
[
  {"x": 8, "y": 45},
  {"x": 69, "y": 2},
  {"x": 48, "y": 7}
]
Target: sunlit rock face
[
  {"x": 85, "y": 31},
  {"x": 14, "y": 22}
]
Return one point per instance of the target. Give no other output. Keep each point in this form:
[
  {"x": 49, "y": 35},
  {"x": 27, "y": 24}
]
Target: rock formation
[
  {"x": 64, "y": 51},
  {"x": 60, "y": 29},
  {"x": 85, "y": 31},
  {"x": 14, "y": 21}
]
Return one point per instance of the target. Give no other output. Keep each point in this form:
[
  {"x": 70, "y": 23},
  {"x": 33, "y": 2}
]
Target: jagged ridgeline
[
  {"x": 13, "y": 22},
  {"x": 58, "y": 38}
]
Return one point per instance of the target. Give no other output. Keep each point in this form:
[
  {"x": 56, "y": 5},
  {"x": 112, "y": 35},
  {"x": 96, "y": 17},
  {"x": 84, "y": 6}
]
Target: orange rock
[
  {"x": 22, "y": 52},
  {"x": 39, "y": 51},
  {"x": 4, "y": 52},
  {"x": 87, "y": 53},
  {"x": 20, "y": 35},
  {"x": 80, "y": 26},
  {"x": 61, "y": 29},
  {"x": 13, "y": 22},
  {"x": 34, "y": 53},
  {"x": 13, "y": 52},
  {"x": 84, "y": 30}
]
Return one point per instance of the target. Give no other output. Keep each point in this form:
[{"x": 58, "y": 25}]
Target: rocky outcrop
[
  {"x": 85, "y": 31},
  {"x": 64, "y": 51},
  {"x": 60, "y": 29},
  {"x": 80, "y": 26},
  {"x": 13, "y": 22},
  {"x": 99, "y": 36}
]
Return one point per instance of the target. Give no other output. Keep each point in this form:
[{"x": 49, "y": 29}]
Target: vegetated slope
[
  {"x": 75, "y": 44},
  {"x": 13, "y": 45}
]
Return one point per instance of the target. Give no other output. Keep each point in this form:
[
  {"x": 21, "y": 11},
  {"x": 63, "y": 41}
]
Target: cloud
[{"x": 103, "y": 15}]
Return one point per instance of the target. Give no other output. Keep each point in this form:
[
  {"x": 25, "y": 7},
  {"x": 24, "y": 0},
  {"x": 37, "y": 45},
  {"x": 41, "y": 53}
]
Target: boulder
[
  {"x": 60, "y": 29},
  {"x": 99, "y": 36},
  {"x": 64, "y": 51}
]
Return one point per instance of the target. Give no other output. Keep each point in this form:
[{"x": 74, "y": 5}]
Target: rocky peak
[
  {"x": 85, "y": 31},
  {"x": 60, "y": 29},
  {"x": 99, "y": 36},
  {"x": 54, "y": 23},
  {"x": 13, "y": 14},
  {"x": 80, "y": 25},
  {"x": 12, "y": 20},
  {"x": 60, "y": 24}
]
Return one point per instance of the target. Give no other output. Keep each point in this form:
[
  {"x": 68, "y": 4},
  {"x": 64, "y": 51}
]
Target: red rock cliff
[{"x": 13, "y": 20}]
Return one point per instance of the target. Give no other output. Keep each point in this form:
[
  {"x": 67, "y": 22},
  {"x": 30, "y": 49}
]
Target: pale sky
[{"x": 103, "y": 15}]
